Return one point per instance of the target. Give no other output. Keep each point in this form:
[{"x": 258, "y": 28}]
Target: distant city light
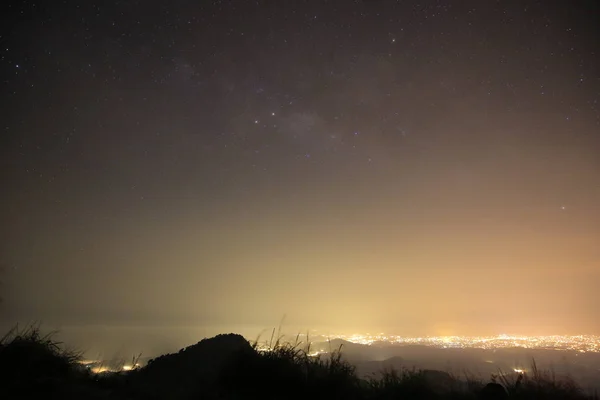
[{"x": 579, "y": 343}]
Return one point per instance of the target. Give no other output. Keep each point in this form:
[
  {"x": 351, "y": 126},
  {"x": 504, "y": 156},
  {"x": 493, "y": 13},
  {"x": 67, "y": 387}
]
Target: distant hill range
[{"x": 370, "y": 360}]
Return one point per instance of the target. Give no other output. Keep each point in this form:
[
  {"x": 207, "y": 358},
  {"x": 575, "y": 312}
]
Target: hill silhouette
[
  {"x": 178, "y": 374},
  {"x": 229, "y": 367},
  {"x": 202, "y": 357}
]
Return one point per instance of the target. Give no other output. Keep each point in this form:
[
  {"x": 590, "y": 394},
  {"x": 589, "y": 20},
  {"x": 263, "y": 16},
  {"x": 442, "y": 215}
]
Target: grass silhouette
[{"x": 33, "y": 365}]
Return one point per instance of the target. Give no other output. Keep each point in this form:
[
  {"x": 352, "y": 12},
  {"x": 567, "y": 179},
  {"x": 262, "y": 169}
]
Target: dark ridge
[{"x": 179, "y": 374}]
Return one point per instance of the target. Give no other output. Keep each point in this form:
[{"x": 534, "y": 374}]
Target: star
[{"x": 147, "y": 138}]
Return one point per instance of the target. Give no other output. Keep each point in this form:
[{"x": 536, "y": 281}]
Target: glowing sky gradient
[{"x": 413, "y": 167}]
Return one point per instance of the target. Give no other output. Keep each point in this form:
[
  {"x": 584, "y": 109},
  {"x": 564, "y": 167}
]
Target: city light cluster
[
  {"x": 99, "y": 367},
  {"x": 580, "y": 343}
]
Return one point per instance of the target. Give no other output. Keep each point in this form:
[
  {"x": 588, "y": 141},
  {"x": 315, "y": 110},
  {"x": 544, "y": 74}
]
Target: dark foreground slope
[
  {"x": 229, "y": 367},
  {"x": 33, "y": 366}
]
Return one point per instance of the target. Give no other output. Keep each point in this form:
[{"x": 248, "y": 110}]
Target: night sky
[{"x": 426, "y": 167}]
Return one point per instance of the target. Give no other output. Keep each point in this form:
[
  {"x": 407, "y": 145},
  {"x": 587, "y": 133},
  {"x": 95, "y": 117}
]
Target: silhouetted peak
[
  {"x": 177, "y": 374},
  {"x": 493, "y": 391},
  {"x": 222, "y": 341},
  {"x": 207, "y": 351}
]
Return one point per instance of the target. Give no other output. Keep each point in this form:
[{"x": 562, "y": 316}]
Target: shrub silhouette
[
  {"x": 493, "y": 391},
  {"x": 35, "y": 365},
  {"x": 287, "y": 370}
]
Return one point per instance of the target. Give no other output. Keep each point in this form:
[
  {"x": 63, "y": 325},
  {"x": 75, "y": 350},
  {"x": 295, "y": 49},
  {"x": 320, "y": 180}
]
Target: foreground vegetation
[{"x": 229, "y": 367}]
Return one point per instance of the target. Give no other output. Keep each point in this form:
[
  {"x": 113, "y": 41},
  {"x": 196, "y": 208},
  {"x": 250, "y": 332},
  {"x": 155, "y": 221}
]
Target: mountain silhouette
[{"x": 192, "y": 368}]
